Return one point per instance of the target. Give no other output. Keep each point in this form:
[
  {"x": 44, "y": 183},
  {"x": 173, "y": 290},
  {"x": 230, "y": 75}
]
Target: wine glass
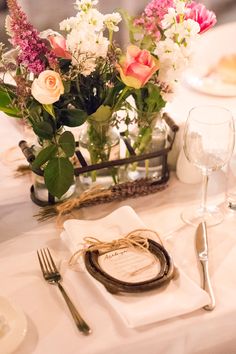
[{"x": 208, "y": 144}]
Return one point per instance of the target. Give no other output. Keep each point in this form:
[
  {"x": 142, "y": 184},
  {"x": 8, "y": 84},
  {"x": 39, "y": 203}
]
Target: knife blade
[{"x": 202, "y": 252}]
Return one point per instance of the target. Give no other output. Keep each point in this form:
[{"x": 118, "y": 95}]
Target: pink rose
[
  {"x": 199, "y": 13},
  {"x": 137, "y": 67},
  {"x": 58, "y": 44},
  {"x": 48, "y": 87}
]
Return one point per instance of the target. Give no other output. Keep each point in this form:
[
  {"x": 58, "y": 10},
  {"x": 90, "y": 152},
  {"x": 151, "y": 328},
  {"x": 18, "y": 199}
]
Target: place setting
[
  {"x": 117, "y": 225},
  {"x": 133, "y": 273}
]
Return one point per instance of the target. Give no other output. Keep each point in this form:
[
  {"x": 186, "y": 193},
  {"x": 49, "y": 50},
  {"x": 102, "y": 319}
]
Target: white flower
[
  {"x": 86, "y": 46},
  {"x": 83, "y": 19},
  {"x": 49, "y": 32},
  {"x": 87, "y": 41},
  {"x": 85, "y": 5},
  {"x": 68, "y": 24},
  {"x": 86, "y": 64},
  {"x": 102, "y": 45},
  {"x": 172, "y": 61},
  {"x": 180, "y": 6},
  {"x": 192, "y": 27},
  {"x": 169, "y": 19},
  {"x": 183, "y": 32},
  {"x": 166, "y": 49},
  {"x": 93, "y": 18},
  {"x": 111, "y": 21}
]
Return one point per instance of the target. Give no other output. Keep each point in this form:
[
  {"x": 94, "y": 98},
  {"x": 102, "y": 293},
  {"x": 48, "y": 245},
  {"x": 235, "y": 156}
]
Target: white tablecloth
[{"x": 50, "y": 327}]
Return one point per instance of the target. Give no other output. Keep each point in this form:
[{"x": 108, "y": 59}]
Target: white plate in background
[
  {"x": 210, "y": 85},
  {"x": 13, "y": 326},
  {"x": 210, "y": 48}
]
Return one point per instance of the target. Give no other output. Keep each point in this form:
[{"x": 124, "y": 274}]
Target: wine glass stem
[{"x": 205, "y": 179}]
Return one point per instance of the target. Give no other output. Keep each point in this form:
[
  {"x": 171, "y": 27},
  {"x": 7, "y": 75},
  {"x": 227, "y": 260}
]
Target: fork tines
[{"x": 46, "y": 261}]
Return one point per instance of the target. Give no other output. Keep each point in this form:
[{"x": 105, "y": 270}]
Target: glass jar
[
  {"x": 148, "y": 135},
  {"x": 40, "y": 190},
  {"x": 99, "y": 142}
]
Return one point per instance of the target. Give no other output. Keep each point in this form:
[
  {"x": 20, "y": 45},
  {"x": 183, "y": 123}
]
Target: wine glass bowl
[{"x": 208, "y": 144}]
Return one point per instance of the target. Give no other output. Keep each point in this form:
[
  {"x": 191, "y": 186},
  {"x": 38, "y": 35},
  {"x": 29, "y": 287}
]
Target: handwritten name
[{"x": 108, "y": 256}]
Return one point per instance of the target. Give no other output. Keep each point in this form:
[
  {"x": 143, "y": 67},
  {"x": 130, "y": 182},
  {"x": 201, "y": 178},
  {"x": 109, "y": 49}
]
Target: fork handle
[{"x": 79, "y": 321}]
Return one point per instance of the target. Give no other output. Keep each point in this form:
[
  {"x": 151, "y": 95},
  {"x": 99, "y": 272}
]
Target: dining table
[{"x": 49, "y": 327}]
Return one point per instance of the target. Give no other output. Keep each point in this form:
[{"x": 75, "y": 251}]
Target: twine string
[
  {"x": 93, "y": 192},
  {"x": 131, "y": 240}
]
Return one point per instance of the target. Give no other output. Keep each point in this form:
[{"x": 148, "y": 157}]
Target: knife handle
[{"x": 207, "y": 286}]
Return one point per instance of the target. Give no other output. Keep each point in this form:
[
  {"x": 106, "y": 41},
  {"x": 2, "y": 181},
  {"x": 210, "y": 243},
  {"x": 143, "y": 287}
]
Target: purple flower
[{"x": 34, "y": 53}]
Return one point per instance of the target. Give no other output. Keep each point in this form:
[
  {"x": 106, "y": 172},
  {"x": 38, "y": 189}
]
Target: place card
[{"x": 130, "y": 265}]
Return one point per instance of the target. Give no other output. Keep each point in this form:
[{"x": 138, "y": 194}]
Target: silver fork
[{"x": 52, "y": 276}]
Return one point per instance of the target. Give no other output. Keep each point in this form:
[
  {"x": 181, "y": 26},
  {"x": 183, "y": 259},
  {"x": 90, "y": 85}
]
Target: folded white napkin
[{"x": 181, "y": 296}]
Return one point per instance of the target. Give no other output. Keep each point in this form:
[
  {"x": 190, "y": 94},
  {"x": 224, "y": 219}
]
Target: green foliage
[
  {"x": 43, "y": 130},
  {"x": 6, "y": 104},
  {"x": 72, "y": 117},
  {"x": 148, "y": 98},
  {"x": 49, "y": 108},
  {"x": 102, "y": 114},
  {"x": 44, "y": 155},
  {"x": 143, "y": 140},
  {"x": 59, "y": 176},
  {"x": 67, "y": 143},
  {"x": 134, "y": 31},
  {"x": 136, "y": 34}
]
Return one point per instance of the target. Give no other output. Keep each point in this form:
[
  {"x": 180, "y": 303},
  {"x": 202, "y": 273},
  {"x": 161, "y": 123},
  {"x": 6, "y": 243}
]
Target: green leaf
[
  {"x": 44, "y": 155},
  {"x": 67, "y": 143},
  {"x": 5, "y": 105},
  {"x": 5, "y": 99},
  {"x": 67, "y": 86},
  {"x": 102, "y": 114},
  {"x": 154, "y": 99},
  {"x": 72, "y": 117},
  {"x": 59, "y": 176},
  {"x": 49, "y": 108},
  {"x": 43, "y": 129}
]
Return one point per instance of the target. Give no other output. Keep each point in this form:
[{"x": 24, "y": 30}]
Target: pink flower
[
  {"x": 137, "y": 67},
  {"x": 33, "y": 52},
  {"x": 158, "y": 8},
  {"x": 58, "y": 44},
  {"x": 152, "y": 16},
  {"x": 199, "y": 13}
]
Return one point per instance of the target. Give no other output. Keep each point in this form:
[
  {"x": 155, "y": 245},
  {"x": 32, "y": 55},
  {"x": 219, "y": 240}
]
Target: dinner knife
[{"x": 202, "y": 252}]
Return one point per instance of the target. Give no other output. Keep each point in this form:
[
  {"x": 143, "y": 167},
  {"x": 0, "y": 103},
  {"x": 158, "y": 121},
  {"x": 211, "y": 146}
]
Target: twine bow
[{"x": 132, "y": 239}]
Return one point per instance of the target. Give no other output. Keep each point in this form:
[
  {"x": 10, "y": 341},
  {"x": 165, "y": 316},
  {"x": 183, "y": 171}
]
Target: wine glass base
[{"x": 212, "y": 215}]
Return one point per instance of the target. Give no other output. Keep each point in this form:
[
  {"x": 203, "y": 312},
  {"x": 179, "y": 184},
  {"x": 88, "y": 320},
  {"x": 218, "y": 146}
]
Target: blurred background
[{"x": 44, "y": 14}]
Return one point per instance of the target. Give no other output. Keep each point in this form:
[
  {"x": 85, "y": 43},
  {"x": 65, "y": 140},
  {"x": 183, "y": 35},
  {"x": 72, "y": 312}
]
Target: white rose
[{"x": 48, "y": 87}]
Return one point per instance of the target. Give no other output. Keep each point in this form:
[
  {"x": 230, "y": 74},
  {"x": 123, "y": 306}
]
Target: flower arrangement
[
  {"x": 163, "y": 38},
  {"x": 83, "y": 77}
]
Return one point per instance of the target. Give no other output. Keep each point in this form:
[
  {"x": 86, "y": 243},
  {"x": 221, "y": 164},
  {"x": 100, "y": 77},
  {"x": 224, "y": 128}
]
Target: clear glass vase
[
  {"x": 148, "y": 135},
  {"x": 99, "y": 142}
]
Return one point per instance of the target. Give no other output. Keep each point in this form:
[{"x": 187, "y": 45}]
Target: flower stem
[{"x": 126, "y": 89}]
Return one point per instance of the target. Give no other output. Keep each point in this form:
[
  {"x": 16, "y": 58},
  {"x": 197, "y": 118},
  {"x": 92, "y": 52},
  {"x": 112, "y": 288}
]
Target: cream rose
[{"x": 48, "y": 87}]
